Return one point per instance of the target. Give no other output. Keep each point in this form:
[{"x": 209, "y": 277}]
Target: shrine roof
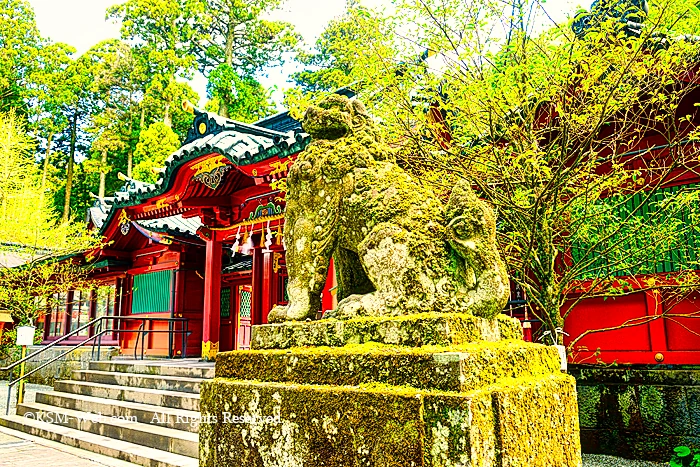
[
  {"x": 241, "y": 143},
  {"x": 241, "y": 264},
  {"x": 173, "y": 225}
]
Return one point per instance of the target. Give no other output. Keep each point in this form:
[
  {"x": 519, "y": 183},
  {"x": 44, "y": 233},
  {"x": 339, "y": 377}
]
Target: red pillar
[
  {"x": 258, "y": 286},
  {"x": 266, "y": 287},
  {"x": 212, "y": 300}
]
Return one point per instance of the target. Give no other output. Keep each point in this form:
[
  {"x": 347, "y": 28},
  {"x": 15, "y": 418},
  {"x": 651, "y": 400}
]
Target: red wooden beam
[{"x": 212, "y": 300}]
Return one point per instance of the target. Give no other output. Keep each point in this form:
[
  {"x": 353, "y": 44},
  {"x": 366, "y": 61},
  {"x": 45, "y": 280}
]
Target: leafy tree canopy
[
  {"x": 330, "y": 66},
  {"x": 245, "y": 98},
  {"x": 20, "y": 43},
  {"x": 549, "y": 128},
  {"x": 155, "y": 145}
]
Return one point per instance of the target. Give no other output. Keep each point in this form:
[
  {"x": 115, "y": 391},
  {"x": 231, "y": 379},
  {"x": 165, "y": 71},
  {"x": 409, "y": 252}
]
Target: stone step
[
  {"x": 159, "y": 397},
  {"x": 178, "y": 419},
  {"x": 165, "y": 383},
  {"x": 174, "y": 368},
  {"x": 458, "y": 368},
  {"x": 116, "y": 448},
  {"x": 120, "y": 427}
]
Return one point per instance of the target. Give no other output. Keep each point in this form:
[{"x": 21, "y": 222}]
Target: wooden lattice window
[
  {"x": 679, "y": 256},
  {"x": 226, "y": 302},
  {"x": 246, "y": 299}
]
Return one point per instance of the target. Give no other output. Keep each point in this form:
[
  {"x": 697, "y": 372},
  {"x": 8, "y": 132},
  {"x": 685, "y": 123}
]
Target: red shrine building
[{"x": 204, "y": 244}]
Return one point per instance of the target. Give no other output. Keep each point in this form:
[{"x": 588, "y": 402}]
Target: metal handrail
[
  {"x": 56, "y": 342},
  {"x": 95, "y": 337},
  {"x": 185, "y": 331}
]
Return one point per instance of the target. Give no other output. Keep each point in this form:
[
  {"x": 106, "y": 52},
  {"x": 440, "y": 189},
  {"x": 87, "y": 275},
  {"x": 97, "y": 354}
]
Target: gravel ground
[
  {"x": 595, "y": 460},
  {"x": 30, "y": 391}
]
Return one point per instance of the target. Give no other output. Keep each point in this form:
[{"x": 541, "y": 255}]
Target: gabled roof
[
  {"x": 173, "y": 225},
  {"x": 241, "y": 143}
]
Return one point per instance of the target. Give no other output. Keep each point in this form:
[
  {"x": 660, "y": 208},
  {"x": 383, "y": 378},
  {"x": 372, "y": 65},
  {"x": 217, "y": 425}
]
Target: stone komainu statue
[{"x": 398, "y": 250}]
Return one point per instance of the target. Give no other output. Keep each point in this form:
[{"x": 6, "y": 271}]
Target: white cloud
[{"x": 80, "y": 23}]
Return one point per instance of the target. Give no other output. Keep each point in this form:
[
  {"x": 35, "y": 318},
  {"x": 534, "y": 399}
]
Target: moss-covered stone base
[
  {"x": 487, "y": 404},
  {"x": 457, "y": 368},
  {"x": 519, "y": 422},
  {"x": 413, "y": 330}
]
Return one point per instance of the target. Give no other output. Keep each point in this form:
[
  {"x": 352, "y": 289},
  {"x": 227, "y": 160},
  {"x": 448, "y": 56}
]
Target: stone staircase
[{"x": 143, "y": 412}]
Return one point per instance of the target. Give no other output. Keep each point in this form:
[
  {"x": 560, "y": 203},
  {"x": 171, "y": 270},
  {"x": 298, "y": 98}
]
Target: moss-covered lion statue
[{"x": 398, "y": 250}]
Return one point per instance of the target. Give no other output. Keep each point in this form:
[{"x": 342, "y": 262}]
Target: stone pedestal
[{"x": 425, "y": 390}]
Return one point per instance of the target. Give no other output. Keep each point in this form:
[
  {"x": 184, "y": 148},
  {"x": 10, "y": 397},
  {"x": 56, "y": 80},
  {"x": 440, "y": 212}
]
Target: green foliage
[
  {"x": 246, "y": 100},
  {"x": 86, "y": 114},
  {"x": 27, "y": 292},
  {"x": 25, "y": 214},
  {"x": 330, "y": 66},
  {"x": 234, "y": 32},
  {"x": 546, "y": 126},
  {"x": 233, "y": 43},
  {"x": 684, "y": 457},
  {"x": 31, "y": 231},
  {"x": 154, "y": 146},
  {"x": 161, "y": 30},
  {"x": 19, "y": 47}
]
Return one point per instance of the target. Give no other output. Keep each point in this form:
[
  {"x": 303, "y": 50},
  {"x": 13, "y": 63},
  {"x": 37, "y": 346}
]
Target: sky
[{"x": 82, "y": 24}]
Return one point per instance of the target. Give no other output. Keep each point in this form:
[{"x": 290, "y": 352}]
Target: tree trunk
[
  {"x": 228, "y": 58},
  {"x": 69, "y": 167},
  {"x": 129, "y": 163},
  {"x": 45, "y": 172},
  {"x": 103, "y": 174},
  {"x": 223, "y": 108},
  {"x": 130, "y": 150},
  {"x": 143, "y": 118},
  {"x": 167, "y": 118}
]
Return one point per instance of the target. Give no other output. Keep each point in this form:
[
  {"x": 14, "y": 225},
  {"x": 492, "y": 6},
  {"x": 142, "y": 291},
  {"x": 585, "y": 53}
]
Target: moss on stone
[
  {"x": 636, "y": 412},
  {"x": 402, "y": 251},
  {"x": 526, "y": 421},
  {"x": 412, "y": 330},
  {"x": 538, "y": 422},
  {"x": 627, "y": 401},
  {"x": 652, "y": 405},
  {"x": 331, "y": 426},
  {"x": 588, "y": 406},
  {"x": 456, "y": 368}
]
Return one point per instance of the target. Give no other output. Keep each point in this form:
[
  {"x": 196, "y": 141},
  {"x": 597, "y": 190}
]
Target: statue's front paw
[
  {"x": 278, "y": 314},
  {"x": 348, "y": 308}
]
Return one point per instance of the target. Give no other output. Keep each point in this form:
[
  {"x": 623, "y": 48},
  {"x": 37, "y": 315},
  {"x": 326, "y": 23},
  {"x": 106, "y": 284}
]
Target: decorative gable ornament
[{"x": 210, "y": 172}]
